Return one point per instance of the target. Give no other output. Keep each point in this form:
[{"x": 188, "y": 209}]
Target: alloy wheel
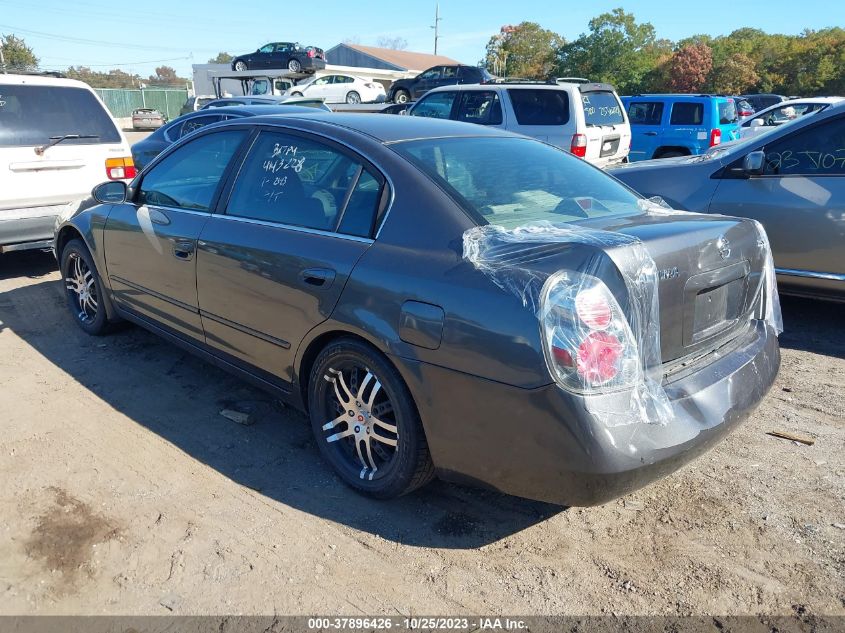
[
  {"x": 364, "y": 431},
  {"x": 82, "y": 288}
]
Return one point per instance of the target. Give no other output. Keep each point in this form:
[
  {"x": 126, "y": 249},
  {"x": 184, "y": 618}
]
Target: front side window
[
  {"x": 645, "y": 112},
  {"x": 189, "y": 177},
  {"x": 437, "y": 105},
  {"x": 815, "y": 151},
  {"x": 291, "y": 180},
  {"x": 267, "y": 48},
  {"x": 480, "y": 106},
  {"x": 323, "y": 81},
  {"x": 540, "y": 107},
  {"x": 602, "y": 108},
  {"x": 685, "y": 113},
  {"x": 515, "y": 181},
  {"x": 35, "y": 115},
  {"x": 431, "y": 73},
  {"x": 450, "y": 72}
]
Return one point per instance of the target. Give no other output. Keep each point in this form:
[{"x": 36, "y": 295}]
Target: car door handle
[
  {"x": 184, "y": 249},
  {"x": 321, "y": 277},
  {"x": 649, "y": 133}
]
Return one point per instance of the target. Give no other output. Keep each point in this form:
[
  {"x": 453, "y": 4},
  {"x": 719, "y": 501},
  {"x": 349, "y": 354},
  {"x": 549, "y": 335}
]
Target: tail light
[
  {"x": 311, "y": 52},
  {"x": 578, "y": 146},
  {"x": 121, "y": 168},
  {"x": 588, "y": 342},
  {"x": 715, "y": 137},
  {"x": 373, "y": 85}
]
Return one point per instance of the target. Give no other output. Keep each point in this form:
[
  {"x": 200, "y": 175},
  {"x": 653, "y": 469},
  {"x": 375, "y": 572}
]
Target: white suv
[
  {"x": 57, "y": 141},
  {"x": 586, "y": 119}
]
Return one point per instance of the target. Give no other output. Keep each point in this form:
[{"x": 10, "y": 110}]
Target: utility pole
[{"x": 436, "y": 26}]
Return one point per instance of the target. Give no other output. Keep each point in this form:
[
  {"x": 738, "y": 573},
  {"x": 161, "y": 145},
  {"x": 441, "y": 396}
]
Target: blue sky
[{"x": 104, "y": 34}]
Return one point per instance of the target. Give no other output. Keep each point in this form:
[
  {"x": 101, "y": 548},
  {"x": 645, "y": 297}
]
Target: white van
[
  {"x": 586, "y": 119},
  {"x": 57, "y": 141}
]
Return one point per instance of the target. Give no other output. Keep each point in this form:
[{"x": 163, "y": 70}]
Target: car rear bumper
[
  {"x": 29, "y": 227},
  {"x": 313, "y": 63},
  {"x": 544, "y": 444}
]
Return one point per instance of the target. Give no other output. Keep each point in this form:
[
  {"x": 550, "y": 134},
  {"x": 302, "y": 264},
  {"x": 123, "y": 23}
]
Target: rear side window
[
  {"x": 602, "y": 108},
  {"x": 437, "y": 105},
  {"x": 194, "y": 123},
  {"x": 685, "y": 113},
  {"x": 645, "y": 113},
  {"x": 480, "y": 106},
  {"x": 727, "y": 112},
  {"x": 300, "y": 182},
  {"x": 540, "y": 107},
  {"x": 33, "y": 115}
]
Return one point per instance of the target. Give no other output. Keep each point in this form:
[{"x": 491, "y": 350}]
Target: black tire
[
  {"x": 401, "y": 96},
  {"x": 353, "y": 97},
  {"x": 296, "y": 94},
  {"x": 240, "y": 66},
  {"x": 82, "y": 287},
  {"x": 358, "y": 448},
  {"x": 294, "y": 66}
]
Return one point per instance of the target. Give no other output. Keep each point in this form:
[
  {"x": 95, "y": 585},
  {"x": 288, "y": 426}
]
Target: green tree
[
  {"x": 690, "y": 67},
  {"x": 617, "y": 50},
  {"x": 114, "y": 78},
  {"x": 735, "y": 76},
  {"x": 222, "y": 58},
  {"x": 166, "y": 76},
  {"x": 16, "y": 54},
  {"x": 525, "y": 50}
]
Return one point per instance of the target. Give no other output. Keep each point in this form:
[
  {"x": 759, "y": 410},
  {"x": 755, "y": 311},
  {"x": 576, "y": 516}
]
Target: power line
[
  {"x": 80, "y": 40},
  {"x": 149, "y": 61}
]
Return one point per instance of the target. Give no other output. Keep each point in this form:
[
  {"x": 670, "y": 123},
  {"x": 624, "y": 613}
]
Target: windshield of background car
[
  {"x": 602, "y": 108},
  {"x": 32, "y": 115},
  {"x": 515, "y": 181},
  {"x": 727, "y": 112}
]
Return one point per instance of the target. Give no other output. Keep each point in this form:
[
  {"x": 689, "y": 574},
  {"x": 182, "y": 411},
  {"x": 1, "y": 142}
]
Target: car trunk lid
[{"x": 709, "y": 269}]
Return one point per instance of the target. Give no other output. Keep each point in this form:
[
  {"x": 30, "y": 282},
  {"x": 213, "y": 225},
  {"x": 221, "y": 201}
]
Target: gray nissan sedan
[{"x": 440, "y": 298}]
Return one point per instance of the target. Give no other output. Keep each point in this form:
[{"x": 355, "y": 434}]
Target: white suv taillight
[
  {"x": 588, "y": 343},
  {"x": 578, "y": 145}
]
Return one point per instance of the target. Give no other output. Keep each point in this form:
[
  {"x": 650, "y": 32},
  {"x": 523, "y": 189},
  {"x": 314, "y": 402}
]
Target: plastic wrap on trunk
[{"x": 596, "y": 343}]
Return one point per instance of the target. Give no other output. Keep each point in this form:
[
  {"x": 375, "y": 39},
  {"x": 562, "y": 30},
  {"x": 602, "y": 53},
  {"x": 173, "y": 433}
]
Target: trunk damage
[{"x": 710, "y": 270}]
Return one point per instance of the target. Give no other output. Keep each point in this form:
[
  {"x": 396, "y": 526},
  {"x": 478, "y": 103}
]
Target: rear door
[
  {"x": 607, "y": 129},
  {"x": 800, "y": 200},
  {"x": 543, "y": 113},
  {"x": 482, "y": 107},
  {"x": 299, "y": 216},
  {"x": 687, "y": 127},
  {"x": 646, "y": 118},
  {"x": 36, "y": 180},
  {"x": 150, "y": 241}
]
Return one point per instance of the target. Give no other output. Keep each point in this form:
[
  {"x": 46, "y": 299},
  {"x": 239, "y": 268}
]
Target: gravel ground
[{"x": 126, "y": 492}]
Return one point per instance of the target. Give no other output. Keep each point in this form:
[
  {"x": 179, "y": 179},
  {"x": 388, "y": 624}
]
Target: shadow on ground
[
  {"x": 179, "y": 397},
  {"x": 813, "y": 326}
]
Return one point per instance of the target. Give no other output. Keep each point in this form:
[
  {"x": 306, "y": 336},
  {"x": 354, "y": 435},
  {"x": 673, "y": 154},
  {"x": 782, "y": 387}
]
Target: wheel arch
[{"x": 671, "y": 148}]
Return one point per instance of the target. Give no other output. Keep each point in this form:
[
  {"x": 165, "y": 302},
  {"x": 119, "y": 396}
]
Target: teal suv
[{"x": 665, "y": 125}]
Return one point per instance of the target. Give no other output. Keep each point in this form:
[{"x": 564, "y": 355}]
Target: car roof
[
  {"x": 678, "y": 97},
  {"x": 392, "y": 129},
  {"x": 251, "y": 110},
  {"x": 42, "y": 80}
]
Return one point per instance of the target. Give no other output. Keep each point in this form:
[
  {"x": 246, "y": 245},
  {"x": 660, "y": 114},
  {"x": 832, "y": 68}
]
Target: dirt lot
[{"x": 125, "y": 492}]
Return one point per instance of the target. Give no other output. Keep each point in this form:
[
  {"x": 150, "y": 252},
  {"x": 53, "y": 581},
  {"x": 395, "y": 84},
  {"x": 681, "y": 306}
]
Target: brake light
[
  {"x": 590, "y": 345},
  {"x": 578, "y": 146},
  {"x": 121, "y": 168},
  {"x": 715, "y": 136},
  {"x": 311, "y": 52}
]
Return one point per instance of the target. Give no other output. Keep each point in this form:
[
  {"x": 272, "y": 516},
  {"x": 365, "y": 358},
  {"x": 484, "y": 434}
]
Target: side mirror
[
  {"x": 112, "y": 192},
  {"x": 758, "y": 123},
  {"x": 753, "y": 163}
]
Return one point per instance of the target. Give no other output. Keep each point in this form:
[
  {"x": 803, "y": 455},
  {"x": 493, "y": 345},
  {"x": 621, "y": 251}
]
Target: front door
[
  {"x": 150, "y": 241},
  {"x": 298, "y": 218},
  {"x": 426, "y": 81},
  {"x": 799, "y": 199}
]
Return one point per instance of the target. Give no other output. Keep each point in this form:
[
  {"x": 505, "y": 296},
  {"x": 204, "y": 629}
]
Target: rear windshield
[
  {"x": 727, "y": 112},
  {"x": 602, "y": 108},
  {"x": 514, "y": 181},
  {"x": 33, "y": 115},
  {"x": 540, "y": 107}
]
